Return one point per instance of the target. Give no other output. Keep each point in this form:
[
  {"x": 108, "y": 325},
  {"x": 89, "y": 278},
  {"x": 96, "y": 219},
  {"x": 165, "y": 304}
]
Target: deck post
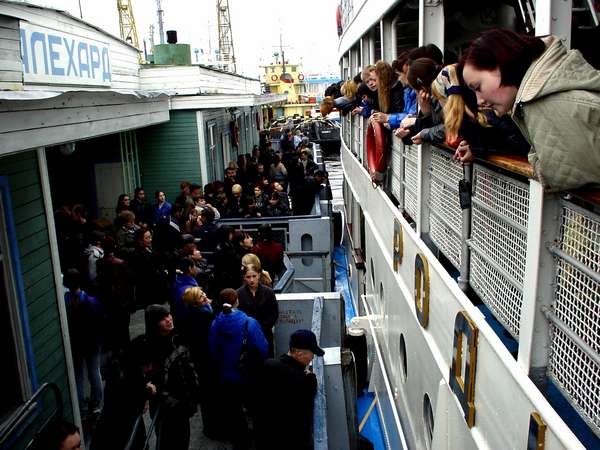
[
  {"x": 56, "y": 272},
  {"x": 538, "y": 282}
]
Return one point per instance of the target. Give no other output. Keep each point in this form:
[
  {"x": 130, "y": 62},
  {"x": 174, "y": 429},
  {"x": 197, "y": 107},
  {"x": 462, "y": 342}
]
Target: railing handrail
[
  {"x": 287, "y": 278},
  {"x": 134, "y": 431},
  {"x": 24, "y": 413}
]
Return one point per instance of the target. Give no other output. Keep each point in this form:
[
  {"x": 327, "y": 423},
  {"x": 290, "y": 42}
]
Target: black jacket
[{"x": 285, "y": 399}]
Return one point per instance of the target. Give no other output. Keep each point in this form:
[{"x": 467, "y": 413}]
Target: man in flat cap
[{"x": 285, "y": 396}]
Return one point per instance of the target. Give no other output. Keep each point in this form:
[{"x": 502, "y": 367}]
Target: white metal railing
[
  {"x": 574, "y": 359},
  {"x": 497, "y": 259},
  {"x": 411, "y": 180},
  {"x": 445, "y": 214},
  {"x": 499, "y": 243}
]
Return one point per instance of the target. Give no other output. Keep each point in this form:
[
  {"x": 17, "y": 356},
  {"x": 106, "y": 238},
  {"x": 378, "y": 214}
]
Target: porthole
[
  {"x": 428, "y": 422},
  {"x": 403, "y": 362}
]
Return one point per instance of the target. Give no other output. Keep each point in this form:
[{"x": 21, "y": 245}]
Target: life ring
[
  {"x": 300, "y": 77},
  {"x": 273, "y": 77},
  {"x": 376, "y": 151},
  {"x": 338, "y": 18}
]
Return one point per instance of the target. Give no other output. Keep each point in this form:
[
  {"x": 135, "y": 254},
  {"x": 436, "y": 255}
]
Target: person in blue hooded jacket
[
  {"x": 185, "y": 278},
  {"x": 225, "y": 342}
]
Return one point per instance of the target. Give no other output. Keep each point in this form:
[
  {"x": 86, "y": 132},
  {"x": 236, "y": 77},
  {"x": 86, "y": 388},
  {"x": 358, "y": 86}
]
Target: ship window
[
  {"x": 428, "y": 420},
  {"x": 14, "y": 373},
  {"x": 372, "y": 275},
  {"x": 293, "y": 68},
  {"x": 272, "y": 69},
  {"x": 403, "y": 362}
]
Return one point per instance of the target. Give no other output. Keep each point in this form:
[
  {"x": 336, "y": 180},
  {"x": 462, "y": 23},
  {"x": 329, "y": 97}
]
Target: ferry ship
[{"x": 482, "y": 322}]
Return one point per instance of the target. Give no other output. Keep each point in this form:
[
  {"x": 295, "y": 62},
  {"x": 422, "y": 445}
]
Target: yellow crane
[{"x": 127, "y": 25}]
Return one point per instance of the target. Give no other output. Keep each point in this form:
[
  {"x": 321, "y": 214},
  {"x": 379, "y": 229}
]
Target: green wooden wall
[
  {"x": 169, "y": 154},
  {"x": 36, "y": 266}
]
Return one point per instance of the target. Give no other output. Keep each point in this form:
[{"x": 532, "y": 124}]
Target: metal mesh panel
[
  {"x": 396, "y": 169},
  {"x": 500, "y": 242},
  {"x": 445, "y": 168},
  {"x": 577, "y": 305},
  {"x": 509, "y": 197},
  {"x": 577, "y": 295},
  {"x": 411, "y": 180},
  {"x": 445, "y": 214},
  {"x": 446, "y": 240},
  {"x": 577, "y": 375},
  {"x": 502, "y": 297}
]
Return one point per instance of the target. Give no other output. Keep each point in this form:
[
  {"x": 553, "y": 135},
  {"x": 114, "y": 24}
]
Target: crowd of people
[
  {"x": 209, "y": 307},
  {"x": 507, "y": 93}
]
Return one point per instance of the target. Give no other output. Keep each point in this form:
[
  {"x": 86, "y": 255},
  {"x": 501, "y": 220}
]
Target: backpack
[
  {"x": 249, "y": 361},
  {"x": 181, "y": 387}
]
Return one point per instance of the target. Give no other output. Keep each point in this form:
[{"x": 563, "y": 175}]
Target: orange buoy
[{"x": 376, "y": 151}]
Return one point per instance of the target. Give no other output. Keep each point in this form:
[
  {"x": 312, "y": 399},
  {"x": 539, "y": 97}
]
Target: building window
[
  {"x": 212, "y": 157},
  {"x": 13, "y": 353}
]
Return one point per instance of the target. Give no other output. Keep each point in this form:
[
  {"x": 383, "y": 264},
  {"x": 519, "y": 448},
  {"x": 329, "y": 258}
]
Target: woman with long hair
[
  {"x": 264, "y": 276},
  {"x": 258, "y": 301},
  {"x": 552, "y": 93}
]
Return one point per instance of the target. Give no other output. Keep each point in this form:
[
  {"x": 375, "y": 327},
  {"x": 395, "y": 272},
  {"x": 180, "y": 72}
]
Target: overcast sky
[{"x": 308, "y": 27}]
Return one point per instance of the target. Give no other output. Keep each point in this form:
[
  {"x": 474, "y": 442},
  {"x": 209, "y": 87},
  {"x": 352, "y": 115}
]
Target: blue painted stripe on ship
[
  {"x": 13, "y": 249},
  {"x": 342, "y": 284},
  {"x": 372, "y": 427}
]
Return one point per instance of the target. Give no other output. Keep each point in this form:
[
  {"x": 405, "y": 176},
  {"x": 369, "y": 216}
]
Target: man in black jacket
[{"x": 285, "y": 396}]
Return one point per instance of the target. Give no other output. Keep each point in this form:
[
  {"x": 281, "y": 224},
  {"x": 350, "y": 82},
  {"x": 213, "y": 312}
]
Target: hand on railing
[
  {"x": 463, "y": 153},
  {"x": 417, "y": 139}
]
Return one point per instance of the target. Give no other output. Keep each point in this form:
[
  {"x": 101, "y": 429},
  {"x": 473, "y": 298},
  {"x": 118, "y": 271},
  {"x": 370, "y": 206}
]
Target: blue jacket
[
  {"x": 182, "y": 282},
  {"x": 225, "y": 343},
  {"x": 86, "y": 323},
  {"x": 161, "y": 213},
  {"x": 410, "y": 108}
]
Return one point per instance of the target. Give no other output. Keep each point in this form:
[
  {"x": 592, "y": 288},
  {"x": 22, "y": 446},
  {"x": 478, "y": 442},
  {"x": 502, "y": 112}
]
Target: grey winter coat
[{"x": 557, "y": 108}]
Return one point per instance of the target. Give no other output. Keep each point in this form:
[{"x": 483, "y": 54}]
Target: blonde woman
[{"x": 264, "y": 277}]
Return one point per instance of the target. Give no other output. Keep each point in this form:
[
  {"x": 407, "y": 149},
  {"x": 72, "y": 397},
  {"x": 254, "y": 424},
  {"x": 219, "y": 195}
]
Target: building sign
[{"x": 56, "y": 57}]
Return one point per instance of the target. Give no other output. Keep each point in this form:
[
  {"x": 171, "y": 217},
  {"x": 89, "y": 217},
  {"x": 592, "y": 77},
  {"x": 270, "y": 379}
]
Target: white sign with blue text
[{"x": 56, "y": 57}]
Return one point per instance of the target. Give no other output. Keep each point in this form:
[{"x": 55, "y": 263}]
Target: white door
[{"x": 109, "y": 185}]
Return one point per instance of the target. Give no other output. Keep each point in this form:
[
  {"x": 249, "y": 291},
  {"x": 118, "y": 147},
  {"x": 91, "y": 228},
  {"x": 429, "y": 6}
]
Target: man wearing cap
[{"x": 285, "y": 396}]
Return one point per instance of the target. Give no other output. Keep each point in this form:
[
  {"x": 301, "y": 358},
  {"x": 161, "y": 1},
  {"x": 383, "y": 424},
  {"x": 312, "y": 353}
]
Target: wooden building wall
[{"x": 36, "y": 267}]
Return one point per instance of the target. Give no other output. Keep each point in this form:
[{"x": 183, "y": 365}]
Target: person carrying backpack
[
  {"x": 236, "y": 343},
  {"x": 175, "y": 379}
]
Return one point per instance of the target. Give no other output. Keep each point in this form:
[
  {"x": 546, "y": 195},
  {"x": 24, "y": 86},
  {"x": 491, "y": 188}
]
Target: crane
[
  {"x": 226, "y": 52},
  {"x": 160, "y": 13},
  {"x": 127, "y": 25}
]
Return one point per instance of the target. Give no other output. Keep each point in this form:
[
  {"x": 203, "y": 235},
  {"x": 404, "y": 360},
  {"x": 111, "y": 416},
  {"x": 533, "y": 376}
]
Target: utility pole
[
  {"x": 226, "y": 52},
  {"x": 160, "y": 13}
]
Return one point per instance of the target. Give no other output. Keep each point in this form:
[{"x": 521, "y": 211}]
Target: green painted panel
[
  {"x": 169, "y": 154},
  {"x": 36, "y": 266}
]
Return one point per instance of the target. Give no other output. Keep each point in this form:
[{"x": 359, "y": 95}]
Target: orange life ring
[
  {"x": 273, "y": 77},
  {"x": 301, "y": 77},
  {"x": 376, "y": 151},
  {"x": 338, "y": 18}
]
